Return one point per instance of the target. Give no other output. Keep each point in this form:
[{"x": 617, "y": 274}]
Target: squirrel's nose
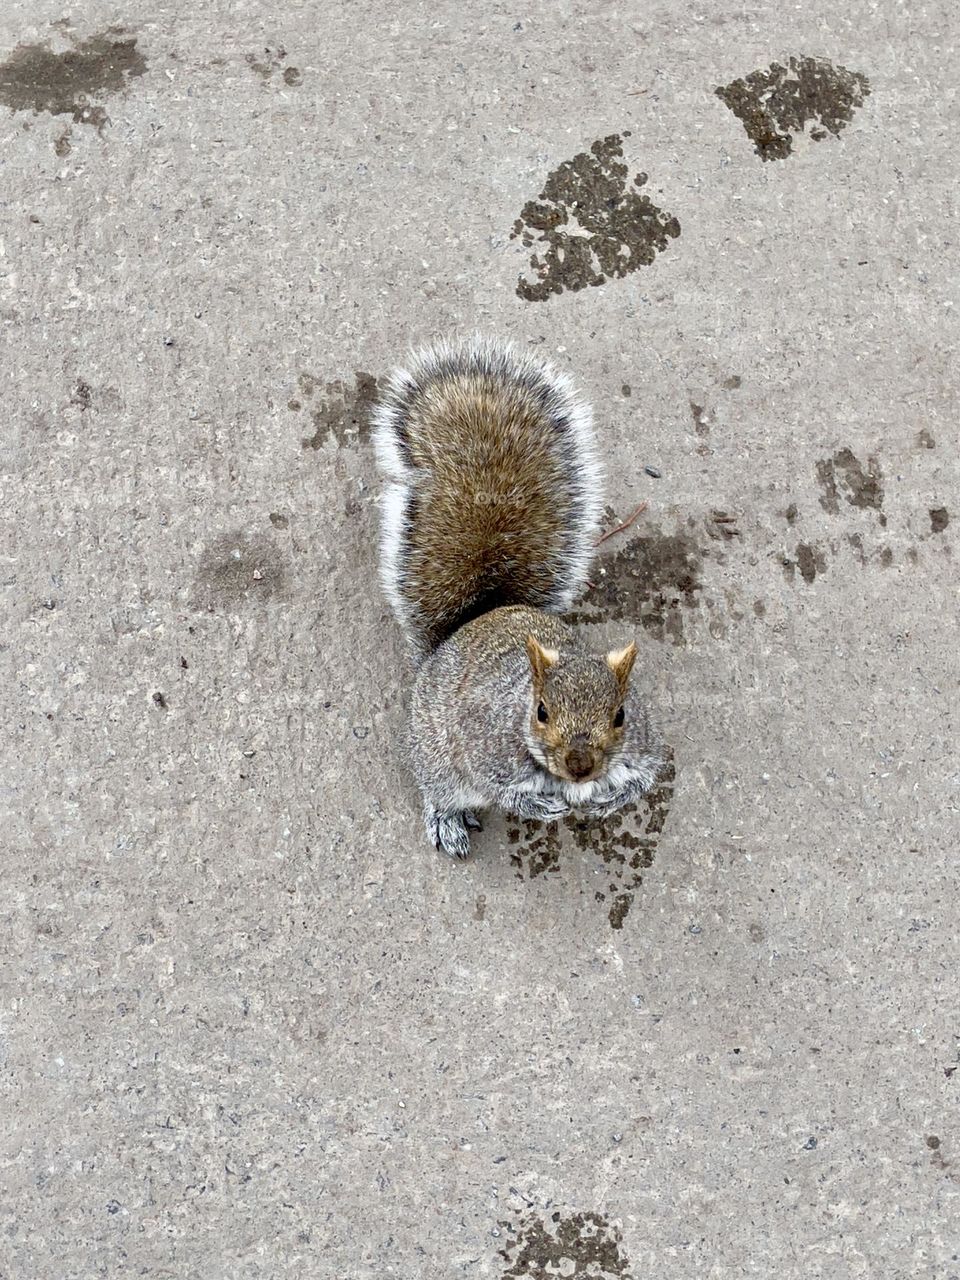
[{"x": 579, "y": 763}]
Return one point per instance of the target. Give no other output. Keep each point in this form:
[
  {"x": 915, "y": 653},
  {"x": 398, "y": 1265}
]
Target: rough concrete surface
[{"x": 250, "y": 1025}]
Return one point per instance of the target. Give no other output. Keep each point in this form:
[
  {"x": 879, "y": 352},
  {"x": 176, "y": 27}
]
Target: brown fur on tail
[{"x": 494, "y": 490}]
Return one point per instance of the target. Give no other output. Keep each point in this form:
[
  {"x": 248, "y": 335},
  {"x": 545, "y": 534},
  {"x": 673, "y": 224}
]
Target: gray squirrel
[{"x": 489, "y": 523}]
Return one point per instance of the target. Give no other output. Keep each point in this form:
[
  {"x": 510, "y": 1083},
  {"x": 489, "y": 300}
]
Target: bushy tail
[{"x": 493, "y": 493}]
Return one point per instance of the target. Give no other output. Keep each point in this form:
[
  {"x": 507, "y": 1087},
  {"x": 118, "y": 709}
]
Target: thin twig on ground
[{"x": 620, "y": 527}]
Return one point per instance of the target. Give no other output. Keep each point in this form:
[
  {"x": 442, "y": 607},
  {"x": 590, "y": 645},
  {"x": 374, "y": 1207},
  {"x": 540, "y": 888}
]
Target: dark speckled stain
[
  {"x": 237, "y": 569},
  {"x": 82, "y": 395},
  {"x": 537, "y": 847},
  {"x": 34, "y": 78},
  {"x": 777, "y": 104},
  {"x": 342, "y": 413},
  {"x": 883, "y": 557},
  {"x": 810, "y": 561},
  {"x": 860, "y": 484},
  {"x": 593, "y": 227},
  {"x": 939, "y": 1161},
  {"x": 271, "y": 62},
  {"x": 625, "y": 842},
  {"x": 541, "y": 1246},
  {"x": 939, "y": 519},
  {"x": 701, "y": 420},
  {"x": 650, "y": 581}
]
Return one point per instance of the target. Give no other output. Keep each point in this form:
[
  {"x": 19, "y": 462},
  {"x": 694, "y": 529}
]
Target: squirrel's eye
[
  {"x": 618, "y": 719},
  {"x": 542, "y": 713}
]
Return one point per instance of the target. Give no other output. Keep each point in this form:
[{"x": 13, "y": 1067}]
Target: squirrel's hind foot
[{"x": 448, "y": 831}]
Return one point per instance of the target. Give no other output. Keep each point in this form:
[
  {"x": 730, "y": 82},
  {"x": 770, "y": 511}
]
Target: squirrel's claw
[{"x": 471, "y": 820}]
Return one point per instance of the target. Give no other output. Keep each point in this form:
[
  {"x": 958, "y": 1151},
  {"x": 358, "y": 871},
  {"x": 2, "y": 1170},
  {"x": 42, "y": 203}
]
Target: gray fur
[{"x": 466, "y": 756}]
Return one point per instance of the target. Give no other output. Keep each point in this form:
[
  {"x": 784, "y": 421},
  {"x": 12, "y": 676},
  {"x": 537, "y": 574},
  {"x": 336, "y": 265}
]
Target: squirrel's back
[{"x": 494, "y": 489}]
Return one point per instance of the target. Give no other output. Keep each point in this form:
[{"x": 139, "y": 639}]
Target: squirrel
[{"x": 490, "y": 515}]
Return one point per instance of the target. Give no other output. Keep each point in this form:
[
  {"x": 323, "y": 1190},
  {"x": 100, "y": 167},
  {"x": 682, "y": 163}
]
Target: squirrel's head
[{"x": 577, "y": 713}]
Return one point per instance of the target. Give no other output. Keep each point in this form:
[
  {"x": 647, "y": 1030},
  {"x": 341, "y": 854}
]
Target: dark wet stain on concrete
[
  {"x": 239, "y": 568},
  {"x": 625, "y": 842},
  {"x": 278, "y": 521},
  {"x": 859, "y": 484},
  {"x": 650, "y": 581},
  {"x": 701, "y": 419},
  {"x": 883, "y": 557},
  {"x": 733, "y": 383},
  {"x": 536, "y": 847},
  {"x": 777, "y": 104},
  {"x": 34, "y": 78},
  {"x": 541, "y": 1245},
  {"x": 341, "y": 412},
  {"x": 61, "y": 146},
  {"x": 939, "y": 519},
  {"x": 589, "y": 225},
  {"x": 938, "y": 1160},
  {"x": 925, "y": 440},
  {"x": 82, "y": 395},
  {"x": 791, "y": 513},
  {"x": 270, "y": 63},
  {"x": 808, "y": 559}
]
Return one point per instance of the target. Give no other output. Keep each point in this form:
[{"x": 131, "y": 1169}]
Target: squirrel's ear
[
  {"x": 540, "y": 659},
  {"x": 620, "y": 662}
]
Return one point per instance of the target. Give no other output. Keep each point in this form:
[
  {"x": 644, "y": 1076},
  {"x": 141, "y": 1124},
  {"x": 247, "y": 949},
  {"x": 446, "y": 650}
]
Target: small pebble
[
  {"x": 695, "y": 929},
  {"x": 809, "y": 1144},
  {"x": 652, "y": 471}
]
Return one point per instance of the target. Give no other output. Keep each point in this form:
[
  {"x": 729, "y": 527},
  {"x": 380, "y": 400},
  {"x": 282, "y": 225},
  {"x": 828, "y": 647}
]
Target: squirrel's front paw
[
  {"x": 609, "y": 803},
  {"x": 543, "y": 808},
  {"x": 449, "y": 833},
  {"x": 601, "y": 809}
]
